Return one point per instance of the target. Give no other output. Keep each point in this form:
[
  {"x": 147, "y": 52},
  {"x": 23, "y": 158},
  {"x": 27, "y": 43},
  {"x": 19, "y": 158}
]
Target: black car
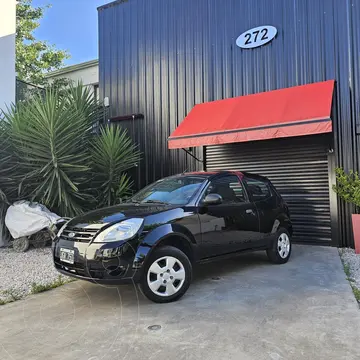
[{"x": 168, "y": 227}]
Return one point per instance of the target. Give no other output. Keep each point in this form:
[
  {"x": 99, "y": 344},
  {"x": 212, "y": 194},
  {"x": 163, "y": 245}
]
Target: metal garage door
[{"x": 298, "y": 167}]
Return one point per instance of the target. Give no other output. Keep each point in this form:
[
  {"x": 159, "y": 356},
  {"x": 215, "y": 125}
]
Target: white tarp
[{"x": 24, "y": 218}]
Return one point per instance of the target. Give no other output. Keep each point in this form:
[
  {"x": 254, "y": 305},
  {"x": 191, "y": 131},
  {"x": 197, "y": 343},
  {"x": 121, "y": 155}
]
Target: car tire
[
  {"x": 280, "y": 250},
  {"x": 40, "y": 239},
  {"x": 167, "y": 275},
  {"x": 21, "y": 244}
]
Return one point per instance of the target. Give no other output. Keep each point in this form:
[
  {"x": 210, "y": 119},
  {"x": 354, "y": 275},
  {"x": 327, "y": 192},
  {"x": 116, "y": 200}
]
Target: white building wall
[
  {"x": 87, "y": 73},
  {"x": 7, "y": 52},
  {"x": 88, "y": 76}
]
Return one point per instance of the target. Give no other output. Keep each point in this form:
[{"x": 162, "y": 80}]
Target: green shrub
[{"x": 348, "y": 187}]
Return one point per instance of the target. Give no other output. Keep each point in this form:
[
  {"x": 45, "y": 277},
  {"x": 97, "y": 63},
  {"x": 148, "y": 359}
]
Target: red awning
[{"x": 296, "y": 111}]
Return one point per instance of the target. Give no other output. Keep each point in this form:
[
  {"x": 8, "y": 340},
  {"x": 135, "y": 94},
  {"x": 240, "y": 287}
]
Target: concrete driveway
[{"x": 254, "y": 310}]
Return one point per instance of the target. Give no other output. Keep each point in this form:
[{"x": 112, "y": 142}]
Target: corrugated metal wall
[{"x": 160, "y": 57}]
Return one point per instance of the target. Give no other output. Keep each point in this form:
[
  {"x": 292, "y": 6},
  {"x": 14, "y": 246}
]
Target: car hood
[{"x": 117, "y": 213}]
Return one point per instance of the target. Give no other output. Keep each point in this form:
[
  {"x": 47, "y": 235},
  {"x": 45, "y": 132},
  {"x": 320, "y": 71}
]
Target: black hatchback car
[{"x": 164, "y": 230}]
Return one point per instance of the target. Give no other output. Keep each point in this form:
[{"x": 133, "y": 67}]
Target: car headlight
[
  {"x": 122, "y": 231},
  {"x": 58, "y": 234}
]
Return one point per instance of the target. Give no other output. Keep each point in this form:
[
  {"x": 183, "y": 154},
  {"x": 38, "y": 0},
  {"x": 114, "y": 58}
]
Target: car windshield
[{"x": 174, "y": 190}]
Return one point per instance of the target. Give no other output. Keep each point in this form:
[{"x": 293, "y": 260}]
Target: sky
[{"x": 71, "y": 25}]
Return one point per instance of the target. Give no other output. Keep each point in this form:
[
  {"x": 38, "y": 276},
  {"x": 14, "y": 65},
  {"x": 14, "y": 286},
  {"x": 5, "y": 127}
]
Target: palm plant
[
  {"x": 5, "y": 180},
  {"x": 55, "y": 157},
  {"x": 51, "y": 138},
  {"x": 113, "y": 153}
]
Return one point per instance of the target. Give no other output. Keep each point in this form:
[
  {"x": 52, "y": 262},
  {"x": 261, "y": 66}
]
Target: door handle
[{"x": 250, "y": 211}]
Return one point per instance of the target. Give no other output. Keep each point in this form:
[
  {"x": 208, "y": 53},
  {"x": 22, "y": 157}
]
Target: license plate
[{"x": 67, "y": 256}]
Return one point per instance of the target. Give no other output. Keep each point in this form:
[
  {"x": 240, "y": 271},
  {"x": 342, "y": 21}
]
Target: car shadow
[
  {"x": 130, "y": 296},
  {"x": 218, "y": 268},
  {"x": 247, "y": 265}
]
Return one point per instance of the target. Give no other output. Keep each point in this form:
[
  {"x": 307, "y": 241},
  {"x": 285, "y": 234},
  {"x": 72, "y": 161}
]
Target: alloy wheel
[
  {"x": 284, "y": 245},
  {"x": 166, "y": 276}
]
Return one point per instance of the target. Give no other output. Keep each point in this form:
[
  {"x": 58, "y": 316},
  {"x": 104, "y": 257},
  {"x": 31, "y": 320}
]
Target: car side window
[
  {"x": 229, "y": 188},
  {"x": 258, "y": 189}
]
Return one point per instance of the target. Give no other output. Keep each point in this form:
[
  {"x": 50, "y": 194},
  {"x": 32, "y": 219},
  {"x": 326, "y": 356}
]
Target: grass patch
[
  {"x": 356, "y": 292},
  {"x": 8, "y": 301},
  {"x": 39, "y": 288},
  {"x": 3, "y": 302},
  {"x": 347, "y": 271},
  {"x": 10, "y": 296}
]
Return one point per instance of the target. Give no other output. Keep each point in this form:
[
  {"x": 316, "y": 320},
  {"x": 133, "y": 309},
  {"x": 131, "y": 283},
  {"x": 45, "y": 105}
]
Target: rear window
[{"x": 258, "y": 189}]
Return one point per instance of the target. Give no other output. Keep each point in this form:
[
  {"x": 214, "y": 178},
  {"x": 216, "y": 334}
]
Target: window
[
  {"x": 173, "y": 190},
  {"x": 258, "y": 189},
  {"x": 229, "y": 188}
]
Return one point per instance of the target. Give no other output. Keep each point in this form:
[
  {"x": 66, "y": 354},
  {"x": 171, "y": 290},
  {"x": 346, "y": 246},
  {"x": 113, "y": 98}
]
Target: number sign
[{"x": 256, "y": 37}]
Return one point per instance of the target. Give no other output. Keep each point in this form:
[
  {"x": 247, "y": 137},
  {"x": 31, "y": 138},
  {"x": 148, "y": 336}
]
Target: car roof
[
  {"x": 201, "y": 173},
  {"x": 210, "y": 174}
]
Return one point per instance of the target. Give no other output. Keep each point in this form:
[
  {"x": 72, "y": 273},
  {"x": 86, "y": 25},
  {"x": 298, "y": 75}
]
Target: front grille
[{"x": 81, "y": 235}]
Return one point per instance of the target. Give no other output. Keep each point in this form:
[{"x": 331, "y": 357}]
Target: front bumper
[{"x": 110, "y": 263}]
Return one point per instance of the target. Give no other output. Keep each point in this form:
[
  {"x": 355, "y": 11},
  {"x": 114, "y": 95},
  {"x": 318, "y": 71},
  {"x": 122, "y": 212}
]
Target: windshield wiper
[{"x": 154, "y": 202}]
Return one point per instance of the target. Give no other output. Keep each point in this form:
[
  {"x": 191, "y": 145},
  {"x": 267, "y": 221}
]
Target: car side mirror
[{"x": 213, "y": 199}]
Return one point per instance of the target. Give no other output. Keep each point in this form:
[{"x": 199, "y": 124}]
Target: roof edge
[
  {"x": 72, "y": 68},
  {"x": 111, "y": 4}
]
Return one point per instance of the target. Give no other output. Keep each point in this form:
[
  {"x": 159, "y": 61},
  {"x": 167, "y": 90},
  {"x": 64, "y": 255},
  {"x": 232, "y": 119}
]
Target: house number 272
[{"x": 256, "y": 37}]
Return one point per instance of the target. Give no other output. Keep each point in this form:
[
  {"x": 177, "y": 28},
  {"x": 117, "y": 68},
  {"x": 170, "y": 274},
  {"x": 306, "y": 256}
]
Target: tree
[{"x": 34, "y": 57}]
